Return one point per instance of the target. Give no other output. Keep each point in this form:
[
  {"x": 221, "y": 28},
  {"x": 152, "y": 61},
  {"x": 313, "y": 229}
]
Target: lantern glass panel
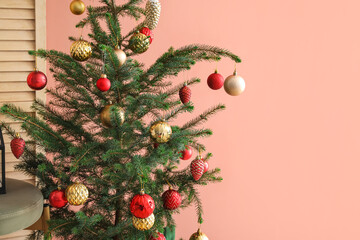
[{"x": 2, "y": 164}]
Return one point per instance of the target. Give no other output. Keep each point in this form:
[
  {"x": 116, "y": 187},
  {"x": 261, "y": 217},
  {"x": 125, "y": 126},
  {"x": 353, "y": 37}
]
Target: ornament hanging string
[
  {"x": 142, "y": 186},
  {"x": 35, "y": 61},
  {"x": 103, "y": 58},
  {"x": 168, "y": 182}
]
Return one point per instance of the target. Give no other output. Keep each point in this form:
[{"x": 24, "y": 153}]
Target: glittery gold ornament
[
  {"x": 77, "y": 7},
  {"x": 143, "y": 223},
  {"x": 121, "y": 55},
  {"x": 161, "y": 132},
  {"x": 76, "y": 194},
  {"x": 81, "y": 50},
  {"x": 152, "y": 13},
  {"x": 139, "y": 43},
  {"x": 105, "y": 115},
  {"x": 199, "y": 236},
  {"x": 234, "y": 85}
]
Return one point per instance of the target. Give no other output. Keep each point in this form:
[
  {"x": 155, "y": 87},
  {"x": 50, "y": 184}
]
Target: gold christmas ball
[
  {"x": 77, "y": 7},
  {"x": 143, "y": 223},
  {"x": 234, "y": 85},
  {"x": 105, "y": 115},
  {"x": 161, "y": 132},
  {"x": 121, "y": 55},
  {"x": 139, "y": 43},
  {"x": 76, "y": 194},
  {"x": 81, "y": 50},
  {"x": 199, "y": 236}
]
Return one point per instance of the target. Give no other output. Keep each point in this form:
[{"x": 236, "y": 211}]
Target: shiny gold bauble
[
  {"x": 105, "y": 115},
  {"x": 76, "y": 194},
  {"x": 234, "y": 85},
  {"x": 143, "y": 223},
  {"x": 139, "y": 43},
  {"x": 199, "y": 236},
  {"x": 161, "y": 132},
  {"x": 152, "y": 13},
  {"x": 121, "y": 55},
  {"x": 81, "y": 50},
  {"x": 77, "y": 7}
]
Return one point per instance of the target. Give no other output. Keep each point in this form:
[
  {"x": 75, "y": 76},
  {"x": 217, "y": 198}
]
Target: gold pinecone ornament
[
  {"x": 76, "y": 194},
  {"x": 139, "y": 43},
  {"x": 152, "y": 13},
  {"x": 160, "y": 132},
  {"x": 143, "y": 223},
  {"x": 199, "y": 236},
  {"x": 81, "y": 50}
]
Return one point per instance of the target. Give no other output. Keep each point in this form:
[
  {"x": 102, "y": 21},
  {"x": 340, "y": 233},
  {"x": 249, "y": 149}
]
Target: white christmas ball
[{"x": 234, "y": 85}]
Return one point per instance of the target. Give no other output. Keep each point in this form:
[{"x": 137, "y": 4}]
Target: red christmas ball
[
  {"x": 57, "y": 198},
  {"x": 160, "y": 236},
  {"x": 187, "y": 153},
  {"x": 156, "y": 145},
  {"x": 185, "y": 94},
  {"x": 37, "y": 80},
  {"x": 206, "y": 166},
  {"x": 103, "y": 84},
  {"x": 142, "y": 205},
  {"x": 215, "y": 81},
  {"x": 17, "y": 146},
  {"x": 197, "y": 168},
  {"x": 147, "y": 32},
  {"x": 171, "y": 199}
]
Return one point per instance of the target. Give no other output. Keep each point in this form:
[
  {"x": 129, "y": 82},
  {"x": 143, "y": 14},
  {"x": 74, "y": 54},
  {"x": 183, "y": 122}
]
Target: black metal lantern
[{"x": 2, "y": 166}]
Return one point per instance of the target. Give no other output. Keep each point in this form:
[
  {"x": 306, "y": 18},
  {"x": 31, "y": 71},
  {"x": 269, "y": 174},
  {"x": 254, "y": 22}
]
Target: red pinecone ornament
[
  {"x": 215, "y": 81},
  {"x": 17, "y": 146},
  {"x": 103, "y": 83},
  {"x": 160, "y": 236},
  {"x": 197, "y": 168},
  {"x": 147, "y": 32},
  {"x": 187, "y": 153},
  {"x": 171, "y": 199},
  {"x": 36, "y": 80},
  {"x": 142, "y": 205},
  {"x": 206, "y": 166},
  {"x": 185, "y": 94},
  {"x": 57, "y": 198}
]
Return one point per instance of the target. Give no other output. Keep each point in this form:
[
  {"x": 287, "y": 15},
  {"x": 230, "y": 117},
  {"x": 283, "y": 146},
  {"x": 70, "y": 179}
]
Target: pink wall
[{"x": 289, "y": 146}]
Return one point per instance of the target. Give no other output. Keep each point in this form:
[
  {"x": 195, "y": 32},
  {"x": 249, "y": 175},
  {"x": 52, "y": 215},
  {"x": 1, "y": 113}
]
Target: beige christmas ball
[
  {"x": 199, "y": 236},
  {"x": 121, "y": 55},
  {"x": 234, "y": 85}
]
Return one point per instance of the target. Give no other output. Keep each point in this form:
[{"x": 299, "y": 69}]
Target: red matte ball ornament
[
  {"x": 160, "y": 236},
  {"x": 142, "y": 205},
  {"x": 37, "y": 80},
  {"x": 103, "y": 84},
  {"x": 147, "y": 32},
  {"x": 171, "y": 199},
  {"x": 215, "y": 81},
  {"x": 187, "y": 153},
  {"x": 57, "y": 198}
]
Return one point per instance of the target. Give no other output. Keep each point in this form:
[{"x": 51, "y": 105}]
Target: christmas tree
[{"x": 108, "y": 135}]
